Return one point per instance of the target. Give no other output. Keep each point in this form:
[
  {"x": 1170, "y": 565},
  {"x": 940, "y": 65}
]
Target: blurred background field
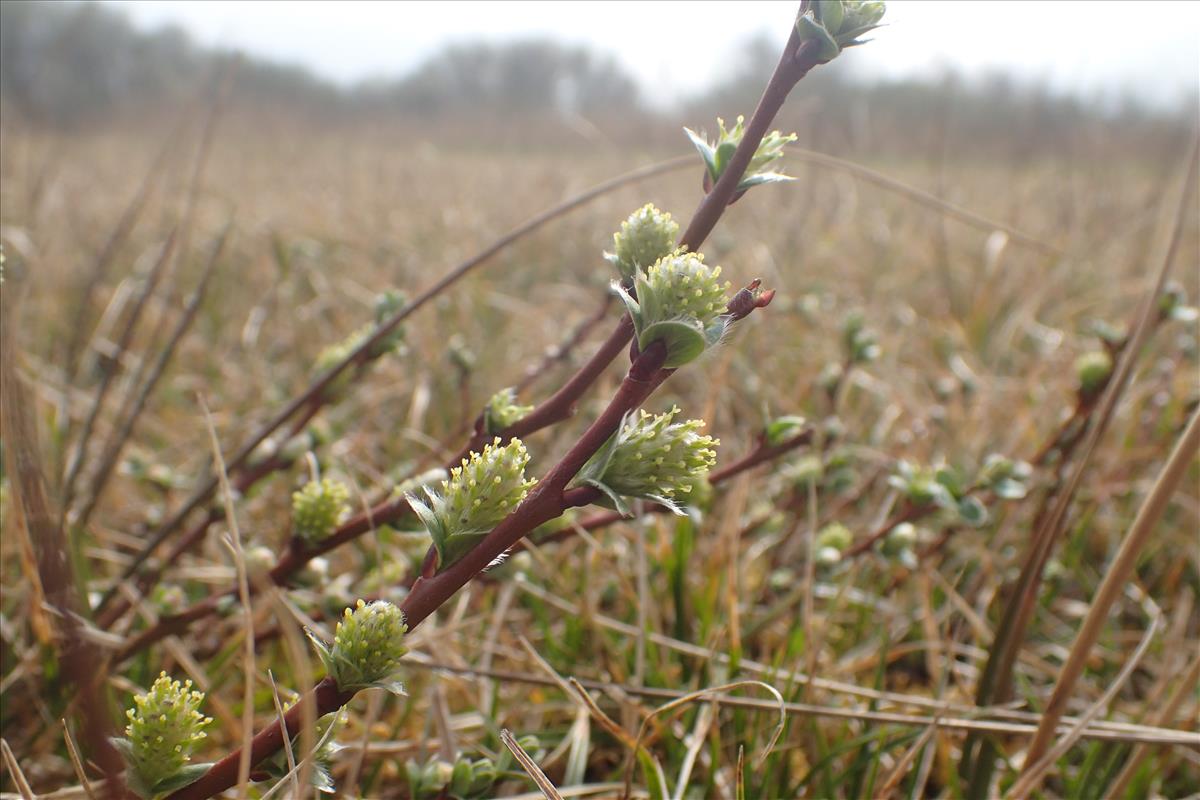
[{"x": 333, "y": 195}]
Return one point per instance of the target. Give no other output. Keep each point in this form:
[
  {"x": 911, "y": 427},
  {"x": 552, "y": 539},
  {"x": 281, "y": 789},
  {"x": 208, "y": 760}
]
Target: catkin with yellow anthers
[
  {"x": 318, "y": 508},
  {"x": 685, "y": 287},
  {"x": 485, "y": 488},
  {"x": 367, "y": 645},
  {"x": 165, "y": 727},
  {"x": 645, "y": 237},
  {"x": 656, "y": 457}
]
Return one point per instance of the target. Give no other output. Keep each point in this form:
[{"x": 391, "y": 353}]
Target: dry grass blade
[
  {"x": 704, "y": 723},
  {"x": 996, "y": 682},
  {"x": 182, "y": 232},
  {"x": 100, "y": 267},
  {"x": 1097, "y": 731},
  {"x": 77, "y": 655},
  {"x": 587, "y": 790},
  {"x": 140, "y": 394},
  {"x": 234, "y": 542},
  {"x": 305, "y": 763},
  {"x": 710, "y": 692},
  {"x": 288, "y": 754},
  {"x": 300, "y": 657},
  {"x": 1164, "y": 716},
  {"x": 77, "y": 761},
  {"x": 14, "y": 769},
  {"x": 839, "y": 687},
  {"x": 1115, "y": 579},
  {"x": 1036, "y": 768},
  {"x": 741, "y": 773},
  {"x": 530, "y": 766},
  {"x": 892, "y": 784},
  {"x": 106, "y": 379}
]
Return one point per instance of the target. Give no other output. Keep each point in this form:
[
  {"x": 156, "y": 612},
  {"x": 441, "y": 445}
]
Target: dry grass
[{"x": 978, "y": 332}]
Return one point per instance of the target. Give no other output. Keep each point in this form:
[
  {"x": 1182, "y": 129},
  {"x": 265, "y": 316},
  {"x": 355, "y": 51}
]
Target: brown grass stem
[{"x": 1115, "y": 578}]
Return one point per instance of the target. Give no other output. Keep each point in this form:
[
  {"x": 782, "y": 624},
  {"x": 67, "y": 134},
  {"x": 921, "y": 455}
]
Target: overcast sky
[{"x": 1151, "y": 49}]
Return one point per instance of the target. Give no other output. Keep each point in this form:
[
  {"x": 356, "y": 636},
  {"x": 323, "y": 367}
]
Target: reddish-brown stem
[
  {"x": 324, "y": 696},
  {"x": 907, "y": 514},
  {"x": 560, "y": 405},
  {"x": 760, "y": 455}
]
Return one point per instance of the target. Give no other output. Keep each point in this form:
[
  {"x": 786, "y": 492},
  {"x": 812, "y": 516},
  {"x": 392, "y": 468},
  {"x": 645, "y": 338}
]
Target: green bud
[
  {"x": 503, "y": 411},
  {"x": 900, "y": 538},
  {"x": 168, "y": 599},
  {"x": 367, "y": 647},
  {"x": 653, "y": 458},
  {"x": 1172, "y": 304},
  {"x": 318, "y": 508},
  {"x": 259, "y": 560},
  {"x": 858, "y": 340},
  {"x": 806, "y": 470},
  {"x": 463, "y": 779},
  {"x": 645, "y": 237},
  {"x": 921, "y": 486},
  {"x": 716, "y": 155},
  {"x": 165, "y": 728},
  {"x": 835, "y": 535},
  {"x": 386, "y": 304},
  {"x": 460, "y": 355},
  {"x": 1092, "y": 371},
  {"x": 427, "y": 782},
  {"x": 837, "y": 24},
  {"x": 679, "y": 302},
  {"x": 479, "y": 494},
  {"x": 830, "y": 376},
  {"x": 1004, "y": 476},
  {"x": 782, "y": 429}
]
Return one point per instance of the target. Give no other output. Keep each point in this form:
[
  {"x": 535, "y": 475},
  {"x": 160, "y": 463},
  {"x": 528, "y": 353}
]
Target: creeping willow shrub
[
  {"x": 165, "y": 728},
  {"x": 676, "y": 302},
  {"x": 479, "y": 494},
  {"x": 652, "y": 458},
  {"x": 367, "y": 647}
]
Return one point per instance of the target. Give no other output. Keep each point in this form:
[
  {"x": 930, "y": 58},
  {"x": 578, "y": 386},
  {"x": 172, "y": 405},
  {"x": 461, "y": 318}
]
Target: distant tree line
[{"x": 67, "y": 63}]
